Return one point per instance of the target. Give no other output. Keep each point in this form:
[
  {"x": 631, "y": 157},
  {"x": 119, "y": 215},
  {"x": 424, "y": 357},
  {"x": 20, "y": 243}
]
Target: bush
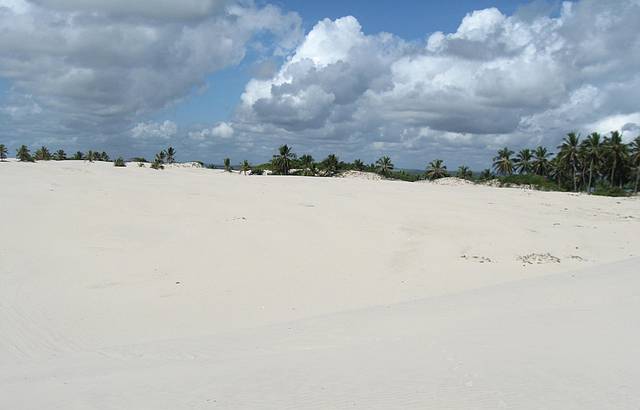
[
  {"x": 605, "y": 189},
  {"x": 119, "y": 162},
  {"x": 535, "y": 181}
]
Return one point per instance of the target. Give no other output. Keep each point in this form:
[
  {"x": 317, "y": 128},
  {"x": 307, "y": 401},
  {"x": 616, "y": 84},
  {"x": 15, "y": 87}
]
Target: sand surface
[{"x": 191, "y": 288}]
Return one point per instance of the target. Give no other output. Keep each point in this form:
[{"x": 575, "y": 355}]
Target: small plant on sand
[
  {"x": 103, "y": 156},
  {"x": 227, "y": 165},
  {"x": 43, "y": 154},
  {"x": 78, "y": 156},
  {"x": 171, "y": 155},
  {"x": 158, "y": 163},
  {"x": 281, "y": 162},
  {"x": 330, "y": 165},
  {"x": 24, "y": 155},
  {"x": 119, "y": 162},
  {"x": 60, "y": 155},
  {"x": 89, "y": 157},
  {"x": 3, "y": 152},
  {"x": 436, "y": 170},
  {"x": 464, "y": 173},
  {"x": 245, "y": 167},
  {"x": 384, "y": 166},
  {"x": 141, "y": 164}
]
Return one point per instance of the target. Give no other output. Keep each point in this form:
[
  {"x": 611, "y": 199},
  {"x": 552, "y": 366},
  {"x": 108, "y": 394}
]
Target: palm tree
[
  {"x": 43, "y": 154},
  {"x": 540, "y": 164},
  {"x": 634, "y": 157},
  {"x": 592, "y": 151},
  {"x": 23, "y": 154},
  {"x": 308, "y": 165},
  {"x": 60, "y": 155},
  {"x": 78, "y": 156},
  {"x": 162, "y": 156},
  {"x": 617, "y": 152},
  {"x": 103, "y": 156},
  {"x": 227, "y": 165},
  {"x": 569, "y": 155},
  {"x": 245, "y": 167},
  {"x": 282, "y": 161},
  {"x": 384, "y": 166},
  {"x": 523, "y": 162},
  {"x": 171, "y": 155},
  {"x": 158, "y": 162},
  {"x": 330, "y": 165},
  {"x": 486, "y": 174},
  {"x": 503, "y": 163},
  {"x": 3, "y": 152},
  {"x": 90, "y": 155},
  {"x": 464, "y": 172},
  {"x": 436, "y": 169},
  {"x": 358, "y": 165}
]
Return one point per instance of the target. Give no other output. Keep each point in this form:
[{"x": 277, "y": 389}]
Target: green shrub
[
  {"x": 536, "y": 181},
  {"x": 119, "y": 162},
  {"x": 605, "y": 189}
]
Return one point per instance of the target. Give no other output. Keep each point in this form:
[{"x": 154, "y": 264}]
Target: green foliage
[
  {"x": 78, "y": 156},
  {"x": 245, "y": 167},
  {"x": 503, "y": 163},
  {"x": 3, "y": 152},
  {"x": 464, "y": 172},
  {"x": 43, "y": 154},
  {"x": 436, "y": 170},
  {"x": 403, "y": 175},
  {"x": 384, "y": 166},
  {"x": 119, "y": 162},
  {"x": 60, "y": 155},
  {"x": 139, "y": 159},
  {"x": 171, "y": 155},
  {"x": 24, "y": 155},
  {"x": 485, "y": 175},
  {"x": 604, "y": 188},
  {"x": 281, "y": 162},
  {"x": 358, "y": 165},
  {"x": 227, "y": 165},
  {"x": 538, "y": 182},
  {"x": 330, "y": 165}
]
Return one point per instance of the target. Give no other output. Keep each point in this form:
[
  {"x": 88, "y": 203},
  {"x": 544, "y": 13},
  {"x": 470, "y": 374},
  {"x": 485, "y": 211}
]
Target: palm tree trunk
[
  {"x": 575, "y": 183},
  {"x": 590, "y": 176},
  {"x": 613, "y": 169}
]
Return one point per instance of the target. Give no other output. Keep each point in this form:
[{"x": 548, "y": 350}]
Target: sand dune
[{"x": 192, "y": 288}]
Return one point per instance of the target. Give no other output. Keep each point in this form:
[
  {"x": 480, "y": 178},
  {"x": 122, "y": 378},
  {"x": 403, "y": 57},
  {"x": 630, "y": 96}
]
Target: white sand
[{"x": 302, "y": 292}]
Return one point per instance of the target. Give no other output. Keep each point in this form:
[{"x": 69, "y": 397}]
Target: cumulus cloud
[
  {"x": 520, "y": 80},
  {"x": 96, "y": 66},
  {"x": 222, "y": 130},
  {"x": 154, "y": 130}
]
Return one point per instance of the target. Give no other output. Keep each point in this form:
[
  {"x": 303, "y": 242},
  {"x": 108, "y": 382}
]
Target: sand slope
[{"x": 189, "y": 288}]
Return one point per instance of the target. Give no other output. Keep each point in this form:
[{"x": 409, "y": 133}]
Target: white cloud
[
  {"x": 517, "y": 80},
  {"x": 222, "y": 130},
  {"x": 96, "y": 66},
  {"x": 153, "y": 130}
]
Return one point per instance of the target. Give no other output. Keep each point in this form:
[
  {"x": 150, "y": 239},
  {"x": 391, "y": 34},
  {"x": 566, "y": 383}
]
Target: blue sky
[{"x": 453, "y": 80}]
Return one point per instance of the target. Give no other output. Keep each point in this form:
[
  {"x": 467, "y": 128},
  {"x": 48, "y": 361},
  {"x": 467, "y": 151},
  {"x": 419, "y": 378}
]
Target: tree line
[{"x": 593, "y": 164}]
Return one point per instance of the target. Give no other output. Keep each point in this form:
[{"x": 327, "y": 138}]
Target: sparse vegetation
[
  {"x": 119, "y": 162},
  {"x": 24, "y": 155}
]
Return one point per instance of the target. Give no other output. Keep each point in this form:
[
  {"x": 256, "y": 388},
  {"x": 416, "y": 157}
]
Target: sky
[{"x": 415, "y": 80}]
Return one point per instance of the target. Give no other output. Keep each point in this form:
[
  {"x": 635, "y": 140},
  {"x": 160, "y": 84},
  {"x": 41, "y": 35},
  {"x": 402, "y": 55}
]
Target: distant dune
[{"x": 191, "y": 288}]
